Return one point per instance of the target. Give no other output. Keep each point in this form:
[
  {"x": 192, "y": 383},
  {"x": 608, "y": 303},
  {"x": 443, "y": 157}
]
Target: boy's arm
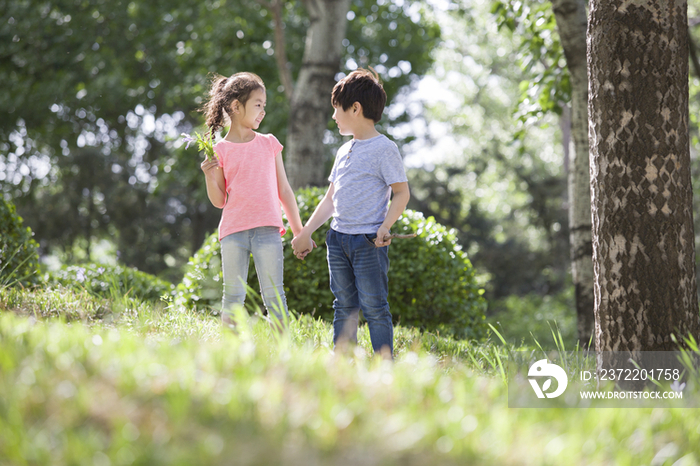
[
  {"x": 398, "y": 204},
  {"x": 286, "y": 195},
  {"x": 303, "y": 244},
  {"x": 214, "y": 177}
]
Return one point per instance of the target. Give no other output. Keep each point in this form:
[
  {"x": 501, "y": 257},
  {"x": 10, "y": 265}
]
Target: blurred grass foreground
[{"x": 87, "y": 380}]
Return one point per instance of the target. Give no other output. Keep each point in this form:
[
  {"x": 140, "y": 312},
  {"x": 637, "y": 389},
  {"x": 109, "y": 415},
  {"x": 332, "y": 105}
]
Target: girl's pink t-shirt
[{"x": 250, "y": 173}]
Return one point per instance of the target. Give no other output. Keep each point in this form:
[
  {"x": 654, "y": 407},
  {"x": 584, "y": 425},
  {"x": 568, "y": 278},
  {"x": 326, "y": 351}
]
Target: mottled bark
[
  {"x": 310, "y": 107},
  {"x": 643, "y": 239},
  {"x": 571, "y": 25}
]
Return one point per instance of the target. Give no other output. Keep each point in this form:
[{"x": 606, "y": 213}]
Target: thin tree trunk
[
  {"x": 310, "y": 107},
  {"x": 275, "y": 8},
  {"x": 571, "y": 21},
  {"x": 566, "y": 142},
  {"x": 643, "y": 238}
]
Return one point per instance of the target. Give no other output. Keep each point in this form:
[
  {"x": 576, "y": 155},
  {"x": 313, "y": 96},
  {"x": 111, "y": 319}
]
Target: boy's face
[{"x": 345, "y": 119}]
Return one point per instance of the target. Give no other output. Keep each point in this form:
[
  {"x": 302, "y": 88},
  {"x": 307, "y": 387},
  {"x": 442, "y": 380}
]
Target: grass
[
  {"x": 117, "y": 381},
  {"x": 526, "y": 319}
]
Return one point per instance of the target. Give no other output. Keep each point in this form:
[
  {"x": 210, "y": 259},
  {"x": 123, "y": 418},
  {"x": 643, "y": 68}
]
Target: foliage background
[{"x": 98, "y": 92}]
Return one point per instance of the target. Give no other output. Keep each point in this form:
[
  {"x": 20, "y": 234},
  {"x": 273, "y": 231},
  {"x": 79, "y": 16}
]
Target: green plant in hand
[{"x": 205, "y": 143}]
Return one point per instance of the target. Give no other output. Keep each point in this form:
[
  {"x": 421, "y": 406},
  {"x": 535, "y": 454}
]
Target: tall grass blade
[{"x": 498, "y": 334}]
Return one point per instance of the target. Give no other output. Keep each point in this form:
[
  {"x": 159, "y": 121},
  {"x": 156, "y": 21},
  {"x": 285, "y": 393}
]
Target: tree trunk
[
  {"x": 571, "y": 21},
  {"x": 566, "y": 142},
  {"x": 310, "y": 107},
  {"x": 275, "y": 9},
  {"x": 643, "y": 238}
]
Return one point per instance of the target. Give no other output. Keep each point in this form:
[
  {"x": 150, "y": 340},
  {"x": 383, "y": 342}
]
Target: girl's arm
[
  {"x": 303, "y": 244},
  {"x": 286, "y": 194},
  {"x": 216, "y": 185}
]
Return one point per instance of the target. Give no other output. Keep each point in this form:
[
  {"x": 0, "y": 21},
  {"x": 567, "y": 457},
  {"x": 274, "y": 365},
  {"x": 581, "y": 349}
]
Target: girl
[{"x": 247, "y": 180}]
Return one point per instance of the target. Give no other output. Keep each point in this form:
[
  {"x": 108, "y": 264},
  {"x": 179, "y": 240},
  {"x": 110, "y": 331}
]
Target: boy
[{"x": 366, "y": 171}]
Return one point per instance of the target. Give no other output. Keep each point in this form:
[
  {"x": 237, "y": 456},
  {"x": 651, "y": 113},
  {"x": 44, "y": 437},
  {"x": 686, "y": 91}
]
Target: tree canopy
[{"x": 99, "y": 92}]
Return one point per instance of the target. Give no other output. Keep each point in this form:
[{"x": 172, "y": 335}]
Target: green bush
[
  {"x": 19, "y": 260},
  {"x": 432, "y": 284},
  {"x": 106, "y": 280}
]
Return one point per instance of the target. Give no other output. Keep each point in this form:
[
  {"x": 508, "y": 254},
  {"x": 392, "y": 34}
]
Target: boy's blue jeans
[
  {"x": 359, "y": 280},
  {"x": 265, "y": 244}
]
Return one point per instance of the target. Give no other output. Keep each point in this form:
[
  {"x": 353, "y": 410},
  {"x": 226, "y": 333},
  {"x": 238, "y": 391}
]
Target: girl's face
[{"x": 252, "y": 114}]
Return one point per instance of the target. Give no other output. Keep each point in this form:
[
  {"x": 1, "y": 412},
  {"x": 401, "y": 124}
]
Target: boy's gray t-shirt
[{"x": 362, "y": 175}]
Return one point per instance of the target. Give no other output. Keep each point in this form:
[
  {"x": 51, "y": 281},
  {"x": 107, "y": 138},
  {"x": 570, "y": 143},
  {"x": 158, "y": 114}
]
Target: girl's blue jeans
[
  {"x": 359, "y": 280},
  {"x": 265, "y": 244}
]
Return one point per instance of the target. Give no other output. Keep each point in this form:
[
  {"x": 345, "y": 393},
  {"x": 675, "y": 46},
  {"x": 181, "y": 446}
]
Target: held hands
[{"x": 302, "y": 245}]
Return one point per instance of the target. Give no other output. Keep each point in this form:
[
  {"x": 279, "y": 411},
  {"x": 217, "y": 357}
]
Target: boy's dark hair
[
  {"x": 361, "y": 86},
  {"x": 225, "y": 90}
]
